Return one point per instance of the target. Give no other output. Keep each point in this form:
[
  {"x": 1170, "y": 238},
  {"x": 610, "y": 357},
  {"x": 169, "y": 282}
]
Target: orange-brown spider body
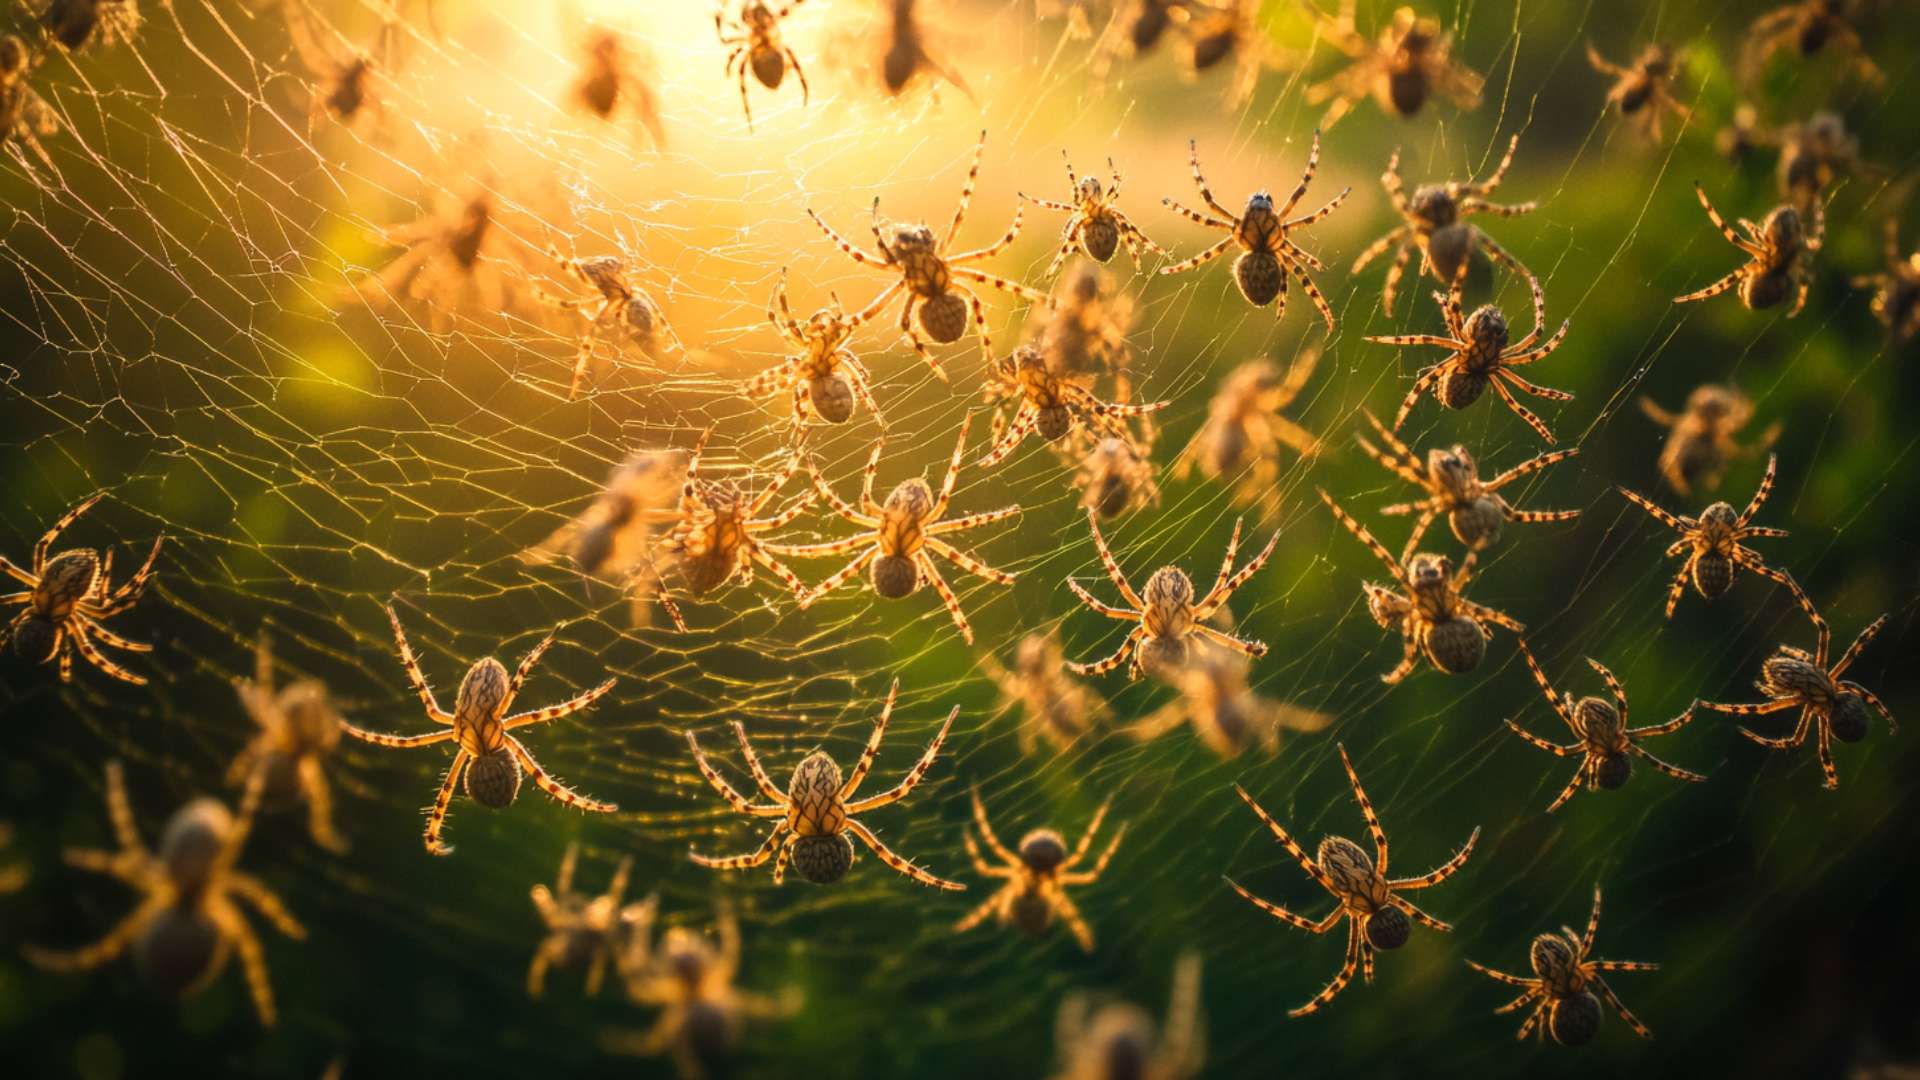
[
  {"x": 1225, "y": 713},
  {"x": 1411, "y": 61},
  {"x": 1054, "y": 705},
  {"x": 1603, "y": 741},
  {"x": 822, "y": 373},
  {"x": 67, "y": 598},
  {"x": 1038, "y": 873},
  {"x": 1475, "y": 509},
  {"x": 1095, "y": 221},
  {"x": 611, "y": 76},
  {"x": 1433, "y": 222},
  {"x": 818, "y": 817},
  {"x": 1713, "y": 544},
  {"x": 619, "y": 309},
  {"x": 1806, "y": 27},
  {"x": 581, "y": 931},
  {"x": 1896, "y": 289},
  {"x": 1085, "y": 332},
  {"x": 74, "y": 24},
  {"x": 299, "y": 731},
  {"x": 1779, "y": 252},
  {"x": 1115, "y": 475},
  {"x": 754, "y": 44},
  {"x": 1566, "y": 988},
  {"x": 1117, "y": 1041},
  {"x": 1644, "y": 90},
  {"x": 1701, "y": 441},
  {"x": 715, "y": 537},
  {"x": 1048, "y": 401},
  {"x": 1241, "y": 440},
  {"x": 692, "y": 983}
]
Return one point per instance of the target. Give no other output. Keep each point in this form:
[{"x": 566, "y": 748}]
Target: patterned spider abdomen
[
  {"x": 66, "y": 580},
  {"x": 1455, "y": 644},
  {"x": 175, "y": 952},
  {"x": 1100, "y": 236},
  {"x": 1053, "y": 422},
  {"x": 1356, "y": 884},
  {"x": 1613, "y": 772},
  {"x": 73, "y": 22},
  {"x": 1168, "y": 618},
  {"x": 832, "y": 397},
  {"x": 822, "y": 854},
  {"x": 1388, "y": 928},
  {"x": 1556, "y": 960},
  {"x": 1712, "y": 574},
  {"x": 1211, "y": 47},
  {"x": 944, "y": 317},
  {"x": 600, "y": 90},
  {"x": 1031, "y": 912},
  {"x": 1575, "y": 1019},
  {"x": 1847, "y": 719},
  {"x": 823, "y": 860},
  {"x": 1460, "y": 387},
  {"x": 895, "y": 576},
  {"x": 769, "y": 66},
  {"x": 493, "y": 779},
  {"x": 1477, "y": 523},
  {"x": 190, "y": 845},
  {"x": 1407, "y": 79},
  {"x": 1149, "y": 24},
  {"x": 1259, "y": 276}
]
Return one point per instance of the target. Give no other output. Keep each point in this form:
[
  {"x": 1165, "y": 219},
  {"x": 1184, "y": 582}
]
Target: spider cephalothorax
[
  {"x": 1779, "y": 252},
  {"x": 753, "y": 40},
  {"x": 1411, "y": 60},
  {"x": 823, "y": 374},
  {"x": 1037, "y": 874},
  {"x": 1433, "y": 224},
  {"x": 1603, "y": 741},
  {"x": 1896, "y": 296},
  {"x": 1712, "y": 543},
  {"x": 1702, "y": 441},
  {"x": 1475, "y": 509},
  {"x": 1564, "y": 986},
  {"x": 68, "y": 595},
  {"x": 1095, "y": 221},
  {"x": 1644, "y": 90},
  {"x": 1048, "y": 401}
]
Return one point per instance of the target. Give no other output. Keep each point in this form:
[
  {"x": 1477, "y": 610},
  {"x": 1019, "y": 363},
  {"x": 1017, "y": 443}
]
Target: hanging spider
[
  {"x": 927, "y": 273},
  {"x": 1115, "y": 475},
  {"x": 1053, "y": 704},
  {"x": 1834, "y": 707},
  {"x": 1702, "y": 441},
  {"x": 1712, "y": 544},
  {"x": 616, "y": 536},
  {"x": 906, "y": 53},
  {"x": 580, "y": 930},
  {"x": 191, "y": 899},
  {"x": 818, "y": 811},
  {"x": 1806, "y": 26},
  {"x": 1267, "y": 255},
  {"x": 1117, "y": 1041},
  {"x": 1049, "y": 402},
  {"x": 752, "y": 38},
  {"x": 490, "y": 757},
  {"x": 1094, "y": 220},
  {"x": 299, "y": 729},
  {"x": 1168, "y": 621},
  {"x": 452, "y": 255},
  {"x": 1038, "y": 874},
  {"x": 619, "y": 310},
  {"x": 1241, "y": 438},
  {"x": 1226, "y": 715},
  {"x": 68, "y": 598},
  {"x": 1564, "y": 984},
  {"x": 823, "y": 375},
  {"x": 1813, "y": 154},
  {"x": 1435, "y": 227},
  {"x": 25, "y": 117},
  {"x": 903, "y": 536},
  {"x": 612, "y": 75},
  {"x": 1474, "y": 507},
  {"x": 1643, "y": 90},
  {"x": 75, "y": 24},
  {"x": 349, "y": 90},
  {"x": 1896, "y": 297},
  {"x": 1603, "y": 741},
  {"x": 1780, "y": 254},
  {"x": 1411, "y": 60},
  {"x": 1230, "y": 28},
  {"x": 715, "y": 536},
  {"x": 1481, "y": 357},
  {"x": 1370, "y": 902},
  {"x": 1428, "y": 609},
  {"x": 1084, "y": 332}
]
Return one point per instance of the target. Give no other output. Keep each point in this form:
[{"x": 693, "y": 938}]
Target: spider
[
  {"x": 1226, "y": 714},
  {"x": 1038, "y": 875},
  {"x": 1050, "y": 402},
  {"x": 1054, "y": 704},
  {"x": 1244, "y": 430},
  {"x": 1115, "y": 475},
  {"x": 75, "y": 24},
  {"x": 1780, "y": 257},
  {"x": 1369, "y": 901},
  {"x": 1702, "y": 440},
  {"x": 1806, "y": 26},
  {"x": 1435, "y": 226},
  {"x": 902, "y": 537},
  {"x": 490, "y": 757},
  {"x": 714, "y": 537},
  {"x": 818, "y": 810},
  {"x": 1813, "y": 154},
  {"x": 1604, "y": 743},
  {"x": 1085, "y": 330},
  {"x": 927, "y": 273},
  {"x": 1643, "y": 90},
  {"x": 191, "y": 897},
  {"x": 619, "y": 308},
  {"x": 1168, "y": 620},
  {"x": 906, "y": 53},
  {"x": 823, "y": 374},
  {"x": 1267, "y": 255},
  {"x": 1231, "y": 28},
  {"x": 453, "y": 253},
  {"x": 1481, "y": 357},
  {"x": 66, "y": 600},
  {"x": 1118, "y": 1039},
  {"x": 1428, "y": 609},
  {"x": 1094, "y": 220},
  {"x": 25, "y": 117},
  {"x": 1412, "y": 59},
  {"x": 1896, "y": 298},
  {"x": 348, "y": 90},
  {"x": 1451, "y": 479},
  {"x": 1712, "y": 544},
  {"x": 612, "y": 75},
  {"x": 299, "y": 729},
  {"x": 580, "y": 929},
  {"x": 1836, "y": 707},
  {"x": 752, "y": 38},
  {"x": 1564, "y": 983},
  {"x": 616, "y": 535}
]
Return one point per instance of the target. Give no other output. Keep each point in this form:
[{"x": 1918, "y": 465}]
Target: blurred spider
[
  {"x": 824, "y": 375},
  {"x": 1428, "y": 608},
  {"x": 12, "y": 878},
  {"x": 927, "y": 273},
  {"x": 580, "y": 929},
  {"x": 1118, "y": 1041},
  {"x": 25, "y": 117},
  {"x": 1741, "y": 135},
  {"x": 1049, "y": 402},
  {"x": 1142, "y": 23},
  {"x": 1562, "y": 989},
  {"x": 1643, "y": 90},
  {"x": 618, "y": 310},
  {"x": 1434, "y": 226},
  {"x": 1896, "y": 298},
  {"x": 1267, "y": 255},
  {"x": 1370, "y": 902},
  {"x": 1603, "y": 741},
  {"x": 1053, "y": 704},
  {"x": 902, "y": 537},
  {"x": 1451, "y": 478},
  {"x": 1038, "y": 875},
  {"x": 1244, "y": 430},
  {"x": 66, "y": 600},
  {"x": 752, "y": 37},
  {"x": 1168, "y": 620},
  {"x": 1481, "y": 357},
  {"x": 74, "y": 24},
  {"x": 615, "y": 536},
  {"x": 612, "y": 75},
  {"x": 1084, "y": 332},
  {"x": 1115, "y": 475},
  {"x": 1780, "y": 257},
  {"x": 818, "y": 810},
  {"x": 1835, "y": 707},
  {"x": 489, "y": 756},
  {"x": 1813, "y": 154},
  {"x": 452, "y": 253},
  {"x": 1806, "y": 26},
  {"x": 715, "y": 536},
  {"x": 1094, "y": 220},
  {"x": 906, "y": 53},
  {"x": 1702, "y": 440},
  {"x": 1227, "y": 716},
  {"x": 348, "y": 90},
  {"x": 299, "y": 729},
  {"x": 1712, "y": 544},
  {"x": 1230, "y": 28},
  {"x": 191, "y": 895},
  {"x": 1411, "y": 59}
]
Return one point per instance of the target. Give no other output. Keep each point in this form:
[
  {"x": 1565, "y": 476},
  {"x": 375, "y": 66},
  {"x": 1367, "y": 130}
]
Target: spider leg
[
  {"x": 1101, "y": 667},
  {"x": 886, "y": 855},
  {"x": 1288, "y": 917},
  {"x": 1088, "y": 599},
  {"x": 745, "y": 862},
  {"x": 1556, "y": 749},
  {"x": 1670, "y": 769},
  {"x": 1087, "y": 877},
  {"x": 1420, "y": 526},
  {"x": 1442, "y": 872},
  {"x": 555, "y": 712},
  {"x": 1069, "y": 235},
  {"x": 1363, "y": 535},
  {"x": 253, "y": 962},
  {"x": 839, "y": 577},
  {"x": 992, "y": 905},
  {"x": 1251, "y": 648},
  {"x": 1306, "y": 283},
  {"x": 1524, "y": 413},
  {"x": 1510, "y": 980},
  {"x": 872, "y": 749},
  {"x": 1859, "y": 645},
  {"x": 986, "y": 830},
  {"x": 77, "y": 631},
  {"x": 1199, "y": 260},
  {"x": 1409, "y": 659},
  {"x": 1485, "y": 614},
  {"x": 914, "y": 775},
  {"x": 1069, "y": 913},
  {"x": 1580, "y": 775},
  {"x": 798, "y": 73},
  {"x": 1824, "y": 745},
  {"x": 108, "y": 948},
  {"x": 1340, "y": 979},
  {"x": 1226, "y": 586},
  {"x": 1378, "y": 248},
  {"x": 1306, "y": 177},
  {"x": 262, "y": 899},
  {"x": 1419, "y": 916},
  {"x": 952, "y": 603},
  {"x": 994, "y": 248},
  {"x": 1427, "y": 378},
  {"x": 966, "y": 192},
  {"x": 1879, "y": 706},
  {"x": 967, "y": 562},
  {"x": 552, "y": 787},
  {"x": 1312, "y": 868},
  {"x": 414, "y": 675},
  {"x": 20, "y": 576},
  {"x": 1714, "y": 289},
  {"x": 437, "y": 815},
  {"x": 1613, "y": 999},
  {"x": 852, "y": 252},
  {"x": 1726, "y": 230},
  {"x": 1112, "y": 565},
  {"x": 45, "y": 543},
  {"x": 980, "y": 865},
  {"x": 961, "y": 524},
  {"x": 953, "y": 470},
  {"x": 1667, "y": 728}
]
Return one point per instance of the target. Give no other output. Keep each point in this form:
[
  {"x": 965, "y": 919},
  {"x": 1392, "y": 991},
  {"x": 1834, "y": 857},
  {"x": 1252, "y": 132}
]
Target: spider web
[{"x": 179, "y": 287}]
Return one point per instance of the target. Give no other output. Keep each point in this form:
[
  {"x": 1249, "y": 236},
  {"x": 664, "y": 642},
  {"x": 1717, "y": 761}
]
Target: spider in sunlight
[
  {"x": 1038, "y": 874},
  {"x": 299, "y": 730},
  {"x": 902, "y": 537},
  {"x": 823, "y": 374},
  {"x": 453, "y": 254},
  {"x": 190, "y": 916},
  {"x": 1643, "y": 91},
  {"x": 1114, "y": 474},
  {"x": 1411, "y": 61},
  {"x": 1117, "y": 1041},
  {"x": 1813, "y": 154},
  {"x": 1701, "y": 441},
  {"x": 580, "y": 930},
  {"x": 1267, "y": 255},
  {"x": 350, "y": 87},
  {"x": 818, "y": 811},
  {"x": 1049, "y": 402},
  {"x": 490, "y": 757},
  {"x": 618, "y": 310},
  {"x": 1094, "y": 220},
  {"x": 1085, "y": 331},
  {"x": 752, "y": 38},
  {"x": 1226, "y": 715},
  {"x": 1712, "y": 544},
  {"x": 1168, "y": 622},
  {"x": 1481, "y": 357},
  {"x": 1231, "y": 28},
  {"x": 1792, "y": 678},
  {"x": 1806, "y": 27},
  {"x": 616, "y": 536},
  {"x": 75, "y": 24},
  {"x": 1435, "y": 225},
  {"x": 906, "y": 55},
  {"x": 1054, "y": 705},
  {"x": 1562, "y": 990},
  {"x": 612, "y": 76},
  {"x": 1244, "y": 431},
  {"x": 1370, "y": 902},
  {"x": 1896, "y": 290},
  {"x": 67, "y": 599},
  {"x": 927, "y": 272},
  {"x": 1603, "y": 741},
  {"x": 1428, "y": 608},
  {"x": 1475, "y": 509},
  {"x": 1780, "y": 253},
  {"x": 25, "y": 117}
]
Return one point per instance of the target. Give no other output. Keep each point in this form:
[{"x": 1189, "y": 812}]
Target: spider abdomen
[
  {"x": 943, "y": 316},
  {"x": 493, "y": 779},
  {"x": 1712, "y": 574},
  {"x": 1259, "y": 276},
  {"x": 1031, "y": 912},
  {"x": 1407, "y": 88},
  {"x": 769, "y": 66},
  {"x": 35, "y": 637},
  {"x": 1477, "y": 523},
  {"x": 176, "y": 951},
  {"x": 1760, "y": 291},
  {"x": 1447, "y": 248},
  {"x": 1461, "y": 387},
  {"x": 1100, "y": 237},
  {"x": 1455, "y": 644},
  {"x": 1848, "y": 717},
  {"x": 1574, "y": 1019},
  {"x": 1388, "y": 928},
  {"x": 1053, "y": 422},
  {"x": 1613, "y": 771},
  {"x": 832, "y": 398},
  {"x": 895, "y": 576},
  {"x": 823, "y": 860}
]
